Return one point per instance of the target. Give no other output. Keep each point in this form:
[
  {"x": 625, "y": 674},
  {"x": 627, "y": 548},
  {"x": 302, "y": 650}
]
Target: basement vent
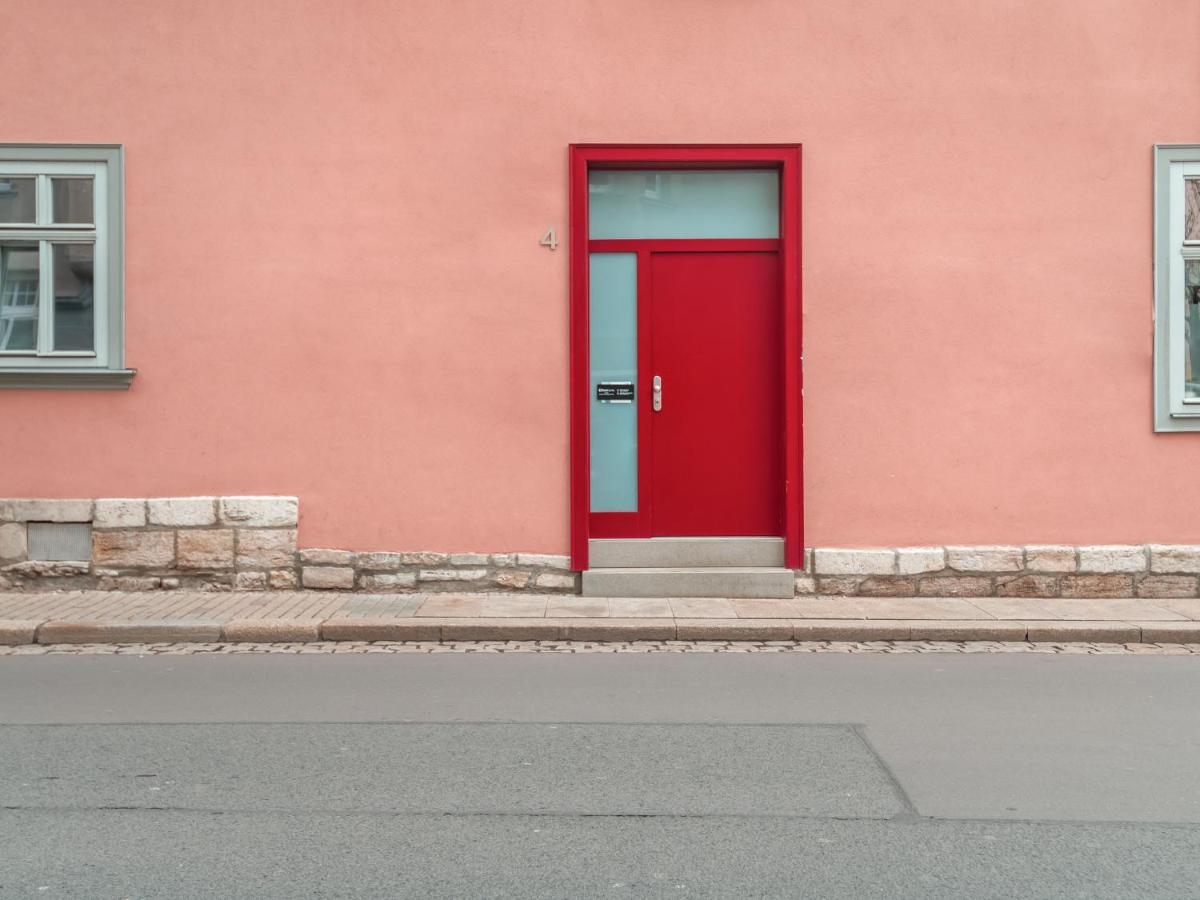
[{"x": 59, "y": 542}]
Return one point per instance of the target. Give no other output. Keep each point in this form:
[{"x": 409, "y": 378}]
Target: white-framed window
[{"x": 62, "y": 267}]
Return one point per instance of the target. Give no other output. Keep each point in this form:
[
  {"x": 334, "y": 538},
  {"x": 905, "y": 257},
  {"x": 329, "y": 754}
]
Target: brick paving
[{"x": 316, "y": 617}]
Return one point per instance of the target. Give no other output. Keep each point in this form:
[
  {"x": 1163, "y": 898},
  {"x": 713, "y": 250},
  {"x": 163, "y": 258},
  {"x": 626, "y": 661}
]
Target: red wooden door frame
[{"x": 786, "y": 159}]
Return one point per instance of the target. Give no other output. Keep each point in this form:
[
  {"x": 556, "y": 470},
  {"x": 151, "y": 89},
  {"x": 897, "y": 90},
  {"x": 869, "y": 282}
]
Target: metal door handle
[{"x": 656, "y": 394}]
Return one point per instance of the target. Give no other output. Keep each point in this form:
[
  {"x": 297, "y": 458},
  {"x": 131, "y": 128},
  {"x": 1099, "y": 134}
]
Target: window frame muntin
[{"x": 75, "y": 369}]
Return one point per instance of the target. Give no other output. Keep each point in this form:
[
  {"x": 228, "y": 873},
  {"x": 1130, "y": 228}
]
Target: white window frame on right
[{"x": 1174, "y": 409}]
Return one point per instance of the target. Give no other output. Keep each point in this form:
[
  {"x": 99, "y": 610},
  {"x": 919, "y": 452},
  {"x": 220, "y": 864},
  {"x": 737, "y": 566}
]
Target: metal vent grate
[{"x": 60, "y": 542}]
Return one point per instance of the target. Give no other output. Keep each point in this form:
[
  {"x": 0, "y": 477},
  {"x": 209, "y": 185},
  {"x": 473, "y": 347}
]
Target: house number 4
[{"x": 549, "y": 239}]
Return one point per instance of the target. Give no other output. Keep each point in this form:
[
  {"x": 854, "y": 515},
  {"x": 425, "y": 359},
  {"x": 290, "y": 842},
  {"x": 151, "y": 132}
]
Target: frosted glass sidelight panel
[
  {"x": 612, "y": 346},
  {"x": 683, "y": 203}
]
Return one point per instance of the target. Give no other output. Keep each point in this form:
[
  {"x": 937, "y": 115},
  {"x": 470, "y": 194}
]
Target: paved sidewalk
[{"x": 301, "y": 616}]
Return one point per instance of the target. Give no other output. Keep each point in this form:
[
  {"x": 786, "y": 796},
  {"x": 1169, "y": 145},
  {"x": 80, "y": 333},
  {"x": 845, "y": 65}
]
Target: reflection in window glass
[
  {"x": 18, "y": 296},
  {"x": 73, "y": 204},
  {"x": 74, "y": 308},
  {"x": 18, "y": 200},
  {"x": 1191, "y": 209},
  {"x": 1191, "y": 327}
]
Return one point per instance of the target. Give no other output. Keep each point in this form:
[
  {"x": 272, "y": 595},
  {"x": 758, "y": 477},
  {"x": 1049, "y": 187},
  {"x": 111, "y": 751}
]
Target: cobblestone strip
[{"x": 336, "y": 647}]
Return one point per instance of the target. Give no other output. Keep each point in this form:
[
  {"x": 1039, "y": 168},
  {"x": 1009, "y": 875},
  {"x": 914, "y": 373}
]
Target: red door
[{"x": 716, "y": 456}]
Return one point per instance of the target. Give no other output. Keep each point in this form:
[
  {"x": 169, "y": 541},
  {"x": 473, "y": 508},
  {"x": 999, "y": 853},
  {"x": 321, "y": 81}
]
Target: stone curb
[
  {"x": 269, "y": 631},
  {"x": 16, "y": 632},
  {"x": 82, "y": 632}
]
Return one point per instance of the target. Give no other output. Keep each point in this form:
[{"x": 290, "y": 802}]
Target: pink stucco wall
[{"x": 334, "y": 286}]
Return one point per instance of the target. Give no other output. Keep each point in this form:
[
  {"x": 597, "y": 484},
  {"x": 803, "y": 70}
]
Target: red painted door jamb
[{"x": 785, "y": 157}]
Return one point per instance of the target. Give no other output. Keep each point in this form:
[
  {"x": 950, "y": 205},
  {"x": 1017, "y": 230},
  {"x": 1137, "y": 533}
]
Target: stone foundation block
[
  {"x": 45, "y": 510},
  {"x": 320, "y": 557},
  {"x": 841, "y": 585},
  {"x": 327, "y": 577},
  {"x": 516, "y": 580},
  {"x": 543, "y": 560},
  {"x": 1167, "y": 586},
  {"x": 380, "y": 562},
  {"x": 387, "y": 582},
  {"x": 1050, "y": 558},
  {"x": 1115, "y": 558},
  {"x": 118, "y": 513},
  {"x": 1097, "y": 586},
  {"x": 468, "y": 559},
  {"x": 182, "y": 511},
  {"x": 452, "y": 574},
  {"x": 876, "y": 586},
  {"x": 133, "y": 549},
  {"x": 205, "y": 548},
  {"x": 13, "y": 541},
  {"x": 260, "y": 512},
  {"x": 265, "y": 548},
  {"x": 504, "y": 560},
  {"x": 424, "y": 558},
  {"x": 854, "y": 562},
  {"x": 1027, "y": 586},
  {"x": 250, "y": 581},
  {"x": 919, "y": 560},
  {"x": 955, "y": 586},
  {"x": 1175, "y": 559},
  {"x": 282, "y": 579},
  {"x": 44, "y": 568},
  {"x": 129, "y": 583},
  {"x": 985, "y": 559}
]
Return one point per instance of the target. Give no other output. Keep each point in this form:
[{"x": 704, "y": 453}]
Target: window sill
[{"x": 66, "y": 379}]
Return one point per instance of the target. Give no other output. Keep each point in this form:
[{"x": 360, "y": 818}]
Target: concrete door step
[
  {"x": 691, "y": 552},
  {"x": 695, "y": 581}
]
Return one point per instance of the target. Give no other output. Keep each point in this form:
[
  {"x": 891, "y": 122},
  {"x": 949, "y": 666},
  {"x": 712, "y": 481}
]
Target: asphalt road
[{"x": 631, "y": 775}]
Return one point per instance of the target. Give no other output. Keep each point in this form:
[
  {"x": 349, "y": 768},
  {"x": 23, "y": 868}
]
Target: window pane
[
  {"x": 1191, "y": 206},
  {"x": 683, "y": 204},
  {"x": 612, "y": 344},
  {"x": 18, "y": 200},
  {"x": 73, "y": 203},
  {"x": 1191, "y": 327},
  {"x": 74, "y": 309},
  {"x": 18, "y": 296}
]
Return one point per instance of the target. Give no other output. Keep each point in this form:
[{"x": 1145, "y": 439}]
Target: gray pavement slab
[
  {"x": 187, "y": 854},
  {"x": 595, "y": 769}
]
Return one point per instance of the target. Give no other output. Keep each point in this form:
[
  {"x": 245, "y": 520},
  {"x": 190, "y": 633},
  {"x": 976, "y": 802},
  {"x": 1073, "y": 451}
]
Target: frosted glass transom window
[{"x": 683, "y": 203}]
